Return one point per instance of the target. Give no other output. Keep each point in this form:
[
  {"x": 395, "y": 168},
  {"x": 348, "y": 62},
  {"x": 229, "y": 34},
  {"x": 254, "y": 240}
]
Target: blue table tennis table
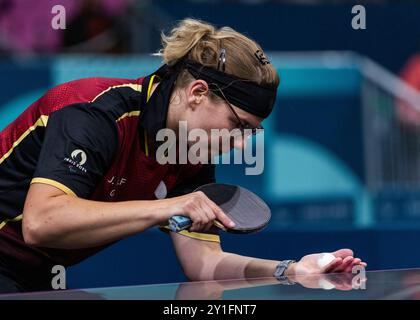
[{"x": 371, "y": 285}]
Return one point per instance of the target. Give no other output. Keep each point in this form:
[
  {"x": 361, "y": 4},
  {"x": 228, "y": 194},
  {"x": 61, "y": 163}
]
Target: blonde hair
[{"x": 202, "y": 42}]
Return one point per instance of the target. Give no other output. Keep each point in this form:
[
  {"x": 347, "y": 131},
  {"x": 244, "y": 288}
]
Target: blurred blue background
[{"x": 340, "y": 167}]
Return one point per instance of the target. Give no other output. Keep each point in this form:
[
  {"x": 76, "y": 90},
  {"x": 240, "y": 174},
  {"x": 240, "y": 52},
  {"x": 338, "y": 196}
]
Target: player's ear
[{"x": 197, "y": 91}]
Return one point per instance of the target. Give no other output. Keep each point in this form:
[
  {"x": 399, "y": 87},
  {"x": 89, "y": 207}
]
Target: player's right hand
[{"x": 200, "y": 209}]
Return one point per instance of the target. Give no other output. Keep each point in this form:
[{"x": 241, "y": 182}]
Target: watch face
[
  {"x": 280, "y": 270},
  {"x": 281, "y": 267}
]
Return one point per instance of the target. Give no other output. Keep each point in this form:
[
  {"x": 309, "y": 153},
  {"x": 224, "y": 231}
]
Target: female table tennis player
[{"x": 78, "y": 169}]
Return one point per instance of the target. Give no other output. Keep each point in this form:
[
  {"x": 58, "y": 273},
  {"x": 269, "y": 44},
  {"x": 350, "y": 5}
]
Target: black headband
[{"x": 244, "y": 94}]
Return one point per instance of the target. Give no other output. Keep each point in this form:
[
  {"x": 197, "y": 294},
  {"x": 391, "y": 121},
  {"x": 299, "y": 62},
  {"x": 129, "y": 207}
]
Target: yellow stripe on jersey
[
  {"x": 133, "y": 86},
  {"x": 4, "y": 222},
  {"x": 56, "y": 184},
  {"x": 41, "y": 122},
  {"x": 129, "y": 114}
]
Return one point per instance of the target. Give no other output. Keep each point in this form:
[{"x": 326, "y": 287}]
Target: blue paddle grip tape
[{"x": 179, "y": 223}]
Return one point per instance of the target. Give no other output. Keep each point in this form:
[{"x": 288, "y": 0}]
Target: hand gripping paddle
[{"x": 249, "y": 213}]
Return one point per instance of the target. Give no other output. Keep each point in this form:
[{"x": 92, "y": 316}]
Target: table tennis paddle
[{"x": 248, "y": 211}]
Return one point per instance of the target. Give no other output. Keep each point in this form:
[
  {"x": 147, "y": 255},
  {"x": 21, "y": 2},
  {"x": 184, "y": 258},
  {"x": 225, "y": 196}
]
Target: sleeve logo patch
[
  {"x": 79, "y": 156},
  {"x": 78, "y": 159}
]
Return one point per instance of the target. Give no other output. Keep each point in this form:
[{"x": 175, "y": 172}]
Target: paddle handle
[{"x": 179, "y": 223}]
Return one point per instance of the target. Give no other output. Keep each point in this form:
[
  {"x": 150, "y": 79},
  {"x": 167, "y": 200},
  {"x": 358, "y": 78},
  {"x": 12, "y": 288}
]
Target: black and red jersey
[{"x": 89, "y": 138}]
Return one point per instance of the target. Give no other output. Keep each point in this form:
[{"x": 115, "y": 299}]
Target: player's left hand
[{"x": 342, "y": 260}]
